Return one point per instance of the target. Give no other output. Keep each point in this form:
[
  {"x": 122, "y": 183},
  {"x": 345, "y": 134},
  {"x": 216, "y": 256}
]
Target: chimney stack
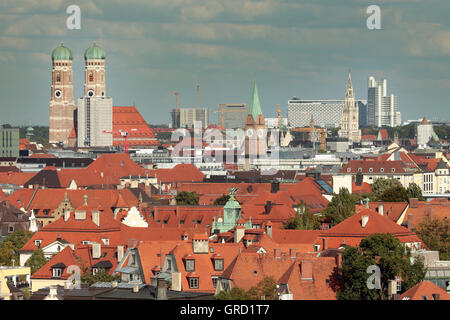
[
  {"x": 338, "y": 259},
  {"x": 274, "y": 186},
  {"x": 413, "y": 202},
  {"x": 161, "y": 289},
  {"x": 114, "y": 284},
  {"x": 381, "y": 208},
  {"x": 324, "y": 244},
  {"x": 120, "y": 252},
  {"x": 136, "y": 288},
  {"x": 306, "y": 270},
  {"x": 239, "y": 233},
  {"x": 96, "y": 217},
  {"x": 176, "y": 281},
  {"x": 96, "y": 250},
  {"x": 268, "y": 207},
  {"x": 364, "y": 220},
  {"x": 410, "y": 221},
  {"x": 269, "y": 229}
]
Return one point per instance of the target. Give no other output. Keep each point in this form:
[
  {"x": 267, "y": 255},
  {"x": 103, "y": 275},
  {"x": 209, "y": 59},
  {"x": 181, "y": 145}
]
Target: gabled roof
[
  {"x": 63, "y": 259},
  {"x": 183, "y": 172},
  {"x": 424, "y": 291}
]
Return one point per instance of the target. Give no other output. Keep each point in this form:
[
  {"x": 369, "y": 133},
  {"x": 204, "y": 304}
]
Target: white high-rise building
[
  {"x": 95, "y": 122},
  {"x": 382, "y": 108}
]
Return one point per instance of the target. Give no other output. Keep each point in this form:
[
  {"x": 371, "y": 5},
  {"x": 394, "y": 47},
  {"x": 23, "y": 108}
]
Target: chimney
[
  {"x": 66, "y": 215},
  {"x": 324, "y": 244},
  {"x": 277, "y": 253},
  {"x": 53, "y": 292},
  {"x": 381, "y": 208},
  {"x": 392, "y": 287},
  {"x": 269, "y": 229},
  {"x": 413, "y": 202},
  {"x": 114, "y": 284},
  {"x": 338, "y": 259},
  {"x": 268, "y": 207},
  {"x": 239, "y": 233},
  {"x": 135, "y": 287},
  {"x": 96, "y": 250},
  {"x": 306, "y": 270},
  {"x": 410, "y": 221},
  {"x": 293, "y": 253},
  {"x": 436, "y": 296},
  {"x": 364, "y": 220},
  {"x": 161, "y": 289},
  {"x": 96, "y": 217},
  {"x": 80, "y": 215},
  {"x": 200, "y": 245},
  {"x": 274, "y": 186},
  {"x": 120, "y": 250},
  {"x": 176, "y": 281}
]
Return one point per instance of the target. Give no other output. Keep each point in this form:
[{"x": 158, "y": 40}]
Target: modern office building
[
  {"x": 232, "y": 115},
  {"x": 381, "y": 107},
  {"x": 95, "y": 118},
  {"x": 326, "y": 113},
  {"x": 9, "y": 142},
  {"x": 188, "y": 116},
  {"x": 95, "y": 112}
]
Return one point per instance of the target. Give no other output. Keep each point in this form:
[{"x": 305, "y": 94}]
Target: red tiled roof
[
  {"x": 127, "y": 119},
  {"x": 377, "y": 166},
  {"x": 16, "y": 178},
  {"x": 424, "y": 291},
  {"x": 352, "y": 232},
  {"x": 438, "y": 208},
  {"x": 363, "y": 188},
  {"x": 65, "y": 257},
  {"x": 393, "y": 210},
  {"x": 383, "y": 134},
  {"x": 183, "y": 172}
]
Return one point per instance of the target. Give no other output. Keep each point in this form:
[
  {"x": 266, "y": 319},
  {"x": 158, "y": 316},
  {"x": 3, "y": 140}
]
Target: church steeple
[
  {"x": 349, "y": 92},
  {"x": 255, "y": 106}
]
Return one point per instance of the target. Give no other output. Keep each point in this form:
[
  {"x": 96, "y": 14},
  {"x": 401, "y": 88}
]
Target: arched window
[
  {"x": 58, "y": 77},
  {"x": 91, "y": 77}
]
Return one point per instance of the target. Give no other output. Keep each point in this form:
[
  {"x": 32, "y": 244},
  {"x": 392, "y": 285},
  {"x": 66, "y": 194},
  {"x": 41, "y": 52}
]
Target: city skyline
[{"x": 302, "y": 50}]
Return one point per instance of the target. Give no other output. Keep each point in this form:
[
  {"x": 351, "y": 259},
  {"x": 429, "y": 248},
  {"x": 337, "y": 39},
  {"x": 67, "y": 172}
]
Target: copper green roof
[
  {"x": 94, "y": 52},
  {"x": 255, "y": 105},
  {"x": 62, "y": 53}
]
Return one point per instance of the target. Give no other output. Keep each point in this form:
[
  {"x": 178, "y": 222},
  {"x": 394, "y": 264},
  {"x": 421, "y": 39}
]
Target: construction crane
[{"x": 124, "y": 134}]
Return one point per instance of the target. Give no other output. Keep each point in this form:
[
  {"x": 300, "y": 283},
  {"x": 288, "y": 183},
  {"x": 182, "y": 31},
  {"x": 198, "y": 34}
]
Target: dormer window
[
  {"x": 37, "y": 243},
  {"x": 56, "y": 273},
  {"x": 218, "y": 264},
  {"x": 190, "y": 265},
  {"x": 381, "y": 169},
  {"x": 393, "y": 169},
  {"x": 359, "y": 169},
  {"x": 370, "y": 169}
]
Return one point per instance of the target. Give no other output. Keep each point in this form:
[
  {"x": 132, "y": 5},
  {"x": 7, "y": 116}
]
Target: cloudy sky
[{"x": 301, "y": 48}]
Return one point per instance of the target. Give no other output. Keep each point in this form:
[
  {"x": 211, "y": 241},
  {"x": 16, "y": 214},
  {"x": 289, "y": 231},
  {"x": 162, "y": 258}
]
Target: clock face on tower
[
  {"x": 58, "y": 93},
  {"x": 260, "y": 133},
  {"x": 249, "y": 132},
  {"x": 90, "y": 93}
]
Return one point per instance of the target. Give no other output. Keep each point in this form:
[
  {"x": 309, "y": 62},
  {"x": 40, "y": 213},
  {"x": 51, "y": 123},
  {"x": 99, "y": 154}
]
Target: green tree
[
  {"x": 101, "y": 276},
  {"x": 304, "y": 219},
  {"x": 36, "y": 261},
  {"x": 9, "y": 248},
  {"x": 414, "y": 191},
  {"x": 187, "y": 198},
  {"x": 340, "y": 207},
  {"x": 222, "y": 200},
  {"x": 435, "y": 233},
  {"x": 267, "y": 287},
  {"x": 394, "y": 194},
  {"x": 389, "y": 255},
  {"x": 380, "y": 185}
]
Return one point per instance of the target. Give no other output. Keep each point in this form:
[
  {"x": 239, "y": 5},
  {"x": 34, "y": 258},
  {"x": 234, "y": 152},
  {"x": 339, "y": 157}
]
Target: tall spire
[
  {"x": 349, "y": 91},
  {"x": 255, "y": 106}
]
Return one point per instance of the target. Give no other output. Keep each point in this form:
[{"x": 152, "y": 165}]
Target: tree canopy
[
  {"x": 394, "y": 194},
  {"x": 340, "y": 207},
  {"x": 187, "y": 198},
  {"x": 304, "y": 219},
  {"x": 414, "y": 191},
  {"x": 221, "y": 201},
  {"x": 386, "y": 252},
  {"x": 267, "y": 287},
  {"x": 36, "y": 261},
  {"x": 9, "y": 248},
  {"x": 435, "y": 233},
  {"x": 380, "y": 185}
]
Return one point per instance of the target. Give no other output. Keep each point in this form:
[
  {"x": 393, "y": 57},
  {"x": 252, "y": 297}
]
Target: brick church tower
[
  {"x": 255, "y": 128},
  {"x": 62, "y": 107},
  {"x": 94, "y": 72}
]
